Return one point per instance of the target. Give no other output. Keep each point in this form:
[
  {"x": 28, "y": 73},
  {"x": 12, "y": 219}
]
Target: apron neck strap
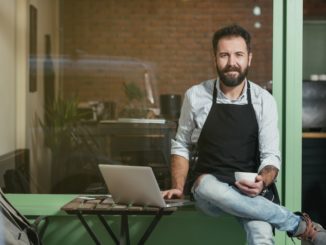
[
  {"x": 248, "y": 93},
  {"x": 214, "y": 92}
]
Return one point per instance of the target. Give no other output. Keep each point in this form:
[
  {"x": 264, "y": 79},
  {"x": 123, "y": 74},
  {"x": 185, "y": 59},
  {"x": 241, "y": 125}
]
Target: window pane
[{"x": 114, "y": 77}]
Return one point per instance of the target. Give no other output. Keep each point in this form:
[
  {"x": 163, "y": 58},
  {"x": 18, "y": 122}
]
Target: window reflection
[
  {"x": 119, "y": 60},
  {"x": 120, "y": 86}
]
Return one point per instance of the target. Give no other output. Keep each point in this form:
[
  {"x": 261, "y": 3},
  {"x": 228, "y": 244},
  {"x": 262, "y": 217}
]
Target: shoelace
[{"x": 311, "y": 230}]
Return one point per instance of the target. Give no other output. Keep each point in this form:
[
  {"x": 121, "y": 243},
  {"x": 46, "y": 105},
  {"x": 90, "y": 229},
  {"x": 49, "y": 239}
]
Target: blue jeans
[{"x": 256, "y": 214}]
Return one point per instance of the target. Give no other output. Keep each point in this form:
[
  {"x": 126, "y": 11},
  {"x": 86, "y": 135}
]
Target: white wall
[
  {"x": 19, "y": 127},
  {"x": 47, "y": 23},
  {"x": 7, "y": 76}
]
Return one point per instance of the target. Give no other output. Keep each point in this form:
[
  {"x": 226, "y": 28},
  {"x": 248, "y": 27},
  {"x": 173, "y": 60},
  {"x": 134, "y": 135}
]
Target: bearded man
[{"x": 233, "y": 123}]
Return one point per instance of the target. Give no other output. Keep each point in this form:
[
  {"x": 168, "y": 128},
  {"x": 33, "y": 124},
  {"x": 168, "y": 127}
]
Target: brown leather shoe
[{"x": 314, "y": 232}]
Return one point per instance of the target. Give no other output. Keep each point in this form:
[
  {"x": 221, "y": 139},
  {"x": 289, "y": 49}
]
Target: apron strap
[
  {"x": 214, "y": 92},
  {"x": 248, "y": 93}
]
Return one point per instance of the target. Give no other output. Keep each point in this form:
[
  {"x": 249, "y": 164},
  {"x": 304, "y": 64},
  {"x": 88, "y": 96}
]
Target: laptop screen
[{"x": 132, "y": 185}]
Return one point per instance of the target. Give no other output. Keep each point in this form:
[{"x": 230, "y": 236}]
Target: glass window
[{"x": 108, "y": 79}]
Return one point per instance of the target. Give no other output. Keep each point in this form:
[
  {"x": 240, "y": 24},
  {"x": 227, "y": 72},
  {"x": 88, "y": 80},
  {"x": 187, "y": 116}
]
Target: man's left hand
[{"x": 250, "y": 188}]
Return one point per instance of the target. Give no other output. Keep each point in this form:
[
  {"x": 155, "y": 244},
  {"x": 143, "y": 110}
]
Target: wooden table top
[{"x": 102, "y": 204}]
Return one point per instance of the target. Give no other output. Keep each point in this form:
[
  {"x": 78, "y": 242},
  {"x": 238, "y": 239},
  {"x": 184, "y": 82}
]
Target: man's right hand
[{"x": 172, "y": 193}]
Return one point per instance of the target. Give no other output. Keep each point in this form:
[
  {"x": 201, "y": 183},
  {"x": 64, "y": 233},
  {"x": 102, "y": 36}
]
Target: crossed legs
[{"x": 256, "y": 214}]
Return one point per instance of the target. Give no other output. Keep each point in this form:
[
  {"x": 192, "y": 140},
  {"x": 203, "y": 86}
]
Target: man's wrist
[
  {"x": 269, "y": 174},
  {"x": 177, "y": 188},
  {"x": 265, "y": 185},
  {"x": 267, "y": 182}
]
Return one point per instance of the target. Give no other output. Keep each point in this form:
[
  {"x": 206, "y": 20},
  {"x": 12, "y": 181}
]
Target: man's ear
[{"x": 249, "y": 59}]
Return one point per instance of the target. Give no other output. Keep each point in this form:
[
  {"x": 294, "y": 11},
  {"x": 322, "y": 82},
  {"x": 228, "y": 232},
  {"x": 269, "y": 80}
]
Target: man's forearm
[
  {"x": 269, "y": 174},
  {"x": 179, "y": 170}
]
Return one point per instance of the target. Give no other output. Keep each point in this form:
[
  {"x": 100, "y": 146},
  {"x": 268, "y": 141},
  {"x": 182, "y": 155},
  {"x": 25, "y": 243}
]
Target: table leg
[
  {"x": 150, "y": 228},
  {"x": 108, "y": 228},
  {"x": 124, "y": 233},
  {"x": 89, "y": 230}
]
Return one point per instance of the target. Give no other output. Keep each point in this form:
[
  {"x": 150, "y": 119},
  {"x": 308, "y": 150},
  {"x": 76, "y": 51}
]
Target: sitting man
[{"x": 234, "y": 125}]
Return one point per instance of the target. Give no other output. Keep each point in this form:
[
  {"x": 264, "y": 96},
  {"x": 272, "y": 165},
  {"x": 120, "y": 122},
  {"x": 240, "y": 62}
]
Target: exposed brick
[{"x": 172, "y": 37}]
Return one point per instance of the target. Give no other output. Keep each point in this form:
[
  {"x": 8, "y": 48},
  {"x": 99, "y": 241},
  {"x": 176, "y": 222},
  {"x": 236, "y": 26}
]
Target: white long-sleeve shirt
[{"x": 197, "y": 104}]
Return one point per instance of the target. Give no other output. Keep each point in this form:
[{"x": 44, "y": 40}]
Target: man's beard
[{"x": 232, "y": 81}]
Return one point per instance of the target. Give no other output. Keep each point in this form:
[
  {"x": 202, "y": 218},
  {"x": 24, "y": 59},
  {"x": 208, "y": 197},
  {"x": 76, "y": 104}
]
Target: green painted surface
[
  {"x": 186, "y": 226},
  {"x": 183, "y": 227},
  {"x": 40, "y": 204},
  {"x": 293, "y": 105},
  {"x": 278, "y": 74},
  {"x": 287, "y": 89}
]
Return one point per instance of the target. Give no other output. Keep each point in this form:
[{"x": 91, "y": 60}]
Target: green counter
[{"x": 185, "y": 226}]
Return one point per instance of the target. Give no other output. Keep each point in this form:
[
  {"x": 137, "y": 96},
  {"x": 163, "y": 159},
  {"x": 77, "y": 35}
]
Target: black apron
[{"x": 229, "y": 142}]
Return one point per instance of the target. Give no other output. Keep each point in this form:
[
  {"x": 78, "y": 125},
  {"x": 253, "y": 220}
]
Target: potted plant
[
  {"x": 61, "y": 120},
  {"x": 135, "y": 107}
]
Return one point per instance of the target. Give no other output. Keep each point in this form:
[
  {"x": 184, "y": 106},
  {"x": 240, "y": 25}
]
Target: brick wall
[
  {"x": 314, "y": 9},
  {"x": 108, "y": 42}
]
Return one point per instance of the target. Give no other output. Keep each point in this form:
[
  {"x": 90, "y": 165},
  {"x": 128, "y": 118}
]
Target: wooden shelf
[{"x": 314, "y": 135}]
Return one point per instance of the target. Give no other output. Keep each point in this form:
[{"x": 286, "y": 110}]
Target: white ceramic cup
[{"x": 245, "y": 176}]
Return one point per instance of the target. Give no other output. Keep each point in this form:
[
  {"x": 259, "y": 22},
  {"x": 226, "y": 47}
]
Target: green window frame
[{"x": 287, "y": 89}]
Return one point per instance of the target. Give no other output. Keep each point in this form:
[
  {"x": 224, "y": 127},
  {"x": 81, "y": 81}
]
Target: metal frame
[{"x": 124, "y": 238}]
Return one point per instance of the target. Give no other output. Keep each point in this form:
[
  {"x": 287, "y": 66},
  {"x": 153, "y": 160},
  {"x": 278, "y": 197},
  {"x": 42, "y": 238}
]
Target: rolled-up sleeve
[
  {"x": 182, "y": 142},
  {"x": 269, "y": 134}
]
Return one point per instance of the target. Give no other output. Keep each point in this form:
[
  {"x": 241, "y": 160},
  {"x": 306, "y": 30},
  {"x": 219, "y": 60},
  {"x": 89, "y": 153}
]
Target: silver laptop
[{"x": 136, "y": 185}]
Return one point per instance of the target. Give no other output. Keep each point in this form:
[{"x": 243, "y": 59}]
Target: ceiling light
[
  {"x": 256, "y": 10},
  {"x": 257, "y": 24}
]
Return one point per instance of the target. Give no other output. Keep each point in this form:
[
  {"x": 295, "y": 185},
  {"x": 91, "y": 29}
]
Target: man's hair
[{"x": 229, "y": 31}]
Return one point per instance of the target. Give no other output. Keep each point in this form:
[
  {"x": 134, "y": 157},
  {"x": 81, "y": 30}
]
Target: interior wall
[
  {"x": 170, "y": 38},
  {"x": 47, "y": 20},
  {"x": 7, "y": 81}
]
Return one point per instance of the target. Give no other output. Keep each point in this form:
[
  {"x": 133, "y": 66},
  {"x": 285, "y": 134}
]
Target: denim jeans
[{"x": 256, "y": 214}]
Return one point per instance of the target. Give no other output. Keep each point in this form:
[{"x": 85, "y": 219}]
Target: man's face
[{"x": 232, "y": 60}]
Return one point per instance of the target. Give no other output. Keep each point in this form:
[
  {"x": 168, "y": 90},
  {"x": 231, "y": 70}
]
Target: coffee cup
[{"x": 245, "y": 176}]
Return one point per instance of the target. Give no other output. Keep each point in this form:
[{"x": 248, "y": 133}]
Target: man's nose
[{"x": 232, "y": 60}]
